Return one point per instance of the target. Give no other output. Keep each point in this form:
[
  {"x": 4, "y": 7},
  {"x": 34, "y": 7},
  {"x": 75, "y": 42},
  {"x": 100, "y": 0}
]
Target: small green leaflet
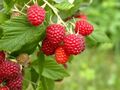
[
  {"x": 17, "y": 33},
  {"x": 99, "y": 36},
  {"x": 64, "y": 5},
  {"x": 53, "y": 70},
  {"x": 3, "y": 17},
  {"x": 45, "y": 84}
]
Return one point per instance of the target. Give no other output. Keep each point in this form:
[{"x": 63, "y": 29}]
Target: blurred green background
[{"x": 98, "y": 67}]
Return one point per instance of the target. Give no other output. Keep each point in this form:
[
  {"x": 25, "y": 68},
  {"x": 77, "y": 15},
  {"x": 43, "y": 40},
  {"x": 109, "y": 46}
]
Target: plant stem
[
  {"x": 55, "y": 11},
  {"x": 25, "y": 5},
  {"x": 17, "y": 10}
]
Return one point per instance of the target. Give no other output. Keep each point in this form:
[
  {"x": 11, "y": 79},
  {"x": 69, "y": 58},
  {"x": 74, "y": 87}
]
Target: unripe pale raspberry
[
  {"x": 74, "y": 44},
  {"x": 60, "y": 55},
  {"x": 55, "y": 33},
  {"x": 23, "y": 59},
  {"x": 83, "y": 27},
  {"x": 47, "y": 47},
  {"x": 9, "y": 69},
  {"x": 35, "y": 15}
]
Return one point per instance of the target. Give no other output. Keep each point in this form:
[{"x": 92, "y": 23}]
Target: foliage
[
  {"x": 98, "y": 68},
  {"x": 18, "y": 36}
]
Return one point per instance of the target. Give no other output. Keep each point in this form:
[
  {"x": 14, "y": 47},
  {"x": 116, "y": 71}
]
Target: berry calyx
[
  {"x": 47, "y": 47},
  {"x": 55, "y": 33},
  {"x": 83, "y": 27},
  {"x": 61, "y": 56},
  {"x": 74, "y": 44},
  {"x": 35, "y": 15}
]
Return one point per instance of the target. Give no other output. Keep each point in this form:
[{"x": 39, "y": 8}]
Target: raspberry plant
[{"x": 37, "y": 39}]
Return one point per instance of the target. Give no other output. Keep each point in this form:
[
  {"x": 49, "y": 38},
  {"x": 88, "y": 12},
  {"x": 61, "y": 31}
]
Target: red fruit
[
  {"x": 9, "y": 69},
  {"x": 60, "y": 55},
  {"x": 2, "y": 56},
  {"x": 35, "y": 15},
  {"x": 65, "y": 66},
  {"x": 81, "y": 16},
  {"x": 47, "y": 47},
  {"x": 16, "y": 83},
  {"x": 4, "y": 88},
  {"x": 74, "y": 44},
  {"x": 83, "y": 27},
  {"x": 1, "y": 80},
  {"x": 55, "y": 33}
]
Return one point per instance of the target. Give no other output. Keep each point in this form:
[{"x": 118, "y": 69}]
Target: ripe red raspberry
[
  {"x": 60, "y": 55},
  {"x": 1, "y": 80},
  {"x": 36, "y": 15},
  {"x": 16, "y": 83},
  {"x": 81, "y": 16},
  {"x": 74, "y": 44},
  {"x": 2, "y": 56},
  {"x": 47, "y": 47},
  {"x": 4, "y": 88},
  {"x": 83, "y": 27},
  {"x": 9, "y": 69},
  {"x": 55, "y": 33}
]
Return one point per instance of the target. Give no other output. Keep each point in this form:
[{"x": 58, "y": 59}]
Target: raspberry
[
  {"x": 1, "y": 80},
  {"x": 36, "y": 15},
  {"x": 2, "y": 56},
  {"x": 16, "y": 83},
  {"x": 81, "y": 16},
  {"x": 60, "y": 55},
  {"x": 4, "y": 88},
  {"x": 83, "y": 27},
  {"x": 55, "y": 33},
  {"x": 9, "y": 69},
  {"x": 47, "y": 47},
  {"x": 74, "y": 44}
]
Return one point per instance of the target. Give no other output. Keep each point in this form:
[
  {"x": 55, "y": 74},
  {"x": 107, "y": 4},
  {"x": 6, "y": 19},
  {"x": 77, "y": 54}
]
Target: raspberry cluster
[
  {"x": 62, "y": 44},
  {"x": 57, "y": 40},
  {"x": 10, "y": 73}
]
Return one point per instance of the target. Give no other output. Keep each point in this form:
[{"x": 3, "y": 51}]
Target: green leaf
[
  {"x": 99, "y": 36},
  {"x": 64, "y": 5},
  {"x": 90, "y": 42},
  {"x": 34, "y": 76},
  {"x": 19, "y": 35},
  {"x": 53, "y": 70},
  {"x": 3, "y": 17},
  {"x": 8, "y": 4},
  {"x": 1, "y": 32},
  {"x": 30, "y": 87},
  {"x": 26, "y": 78},
  {"x": 38, "y": 64},
  {"x": 72, "y": 10},
  {"x": 45, "y": 84}
]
